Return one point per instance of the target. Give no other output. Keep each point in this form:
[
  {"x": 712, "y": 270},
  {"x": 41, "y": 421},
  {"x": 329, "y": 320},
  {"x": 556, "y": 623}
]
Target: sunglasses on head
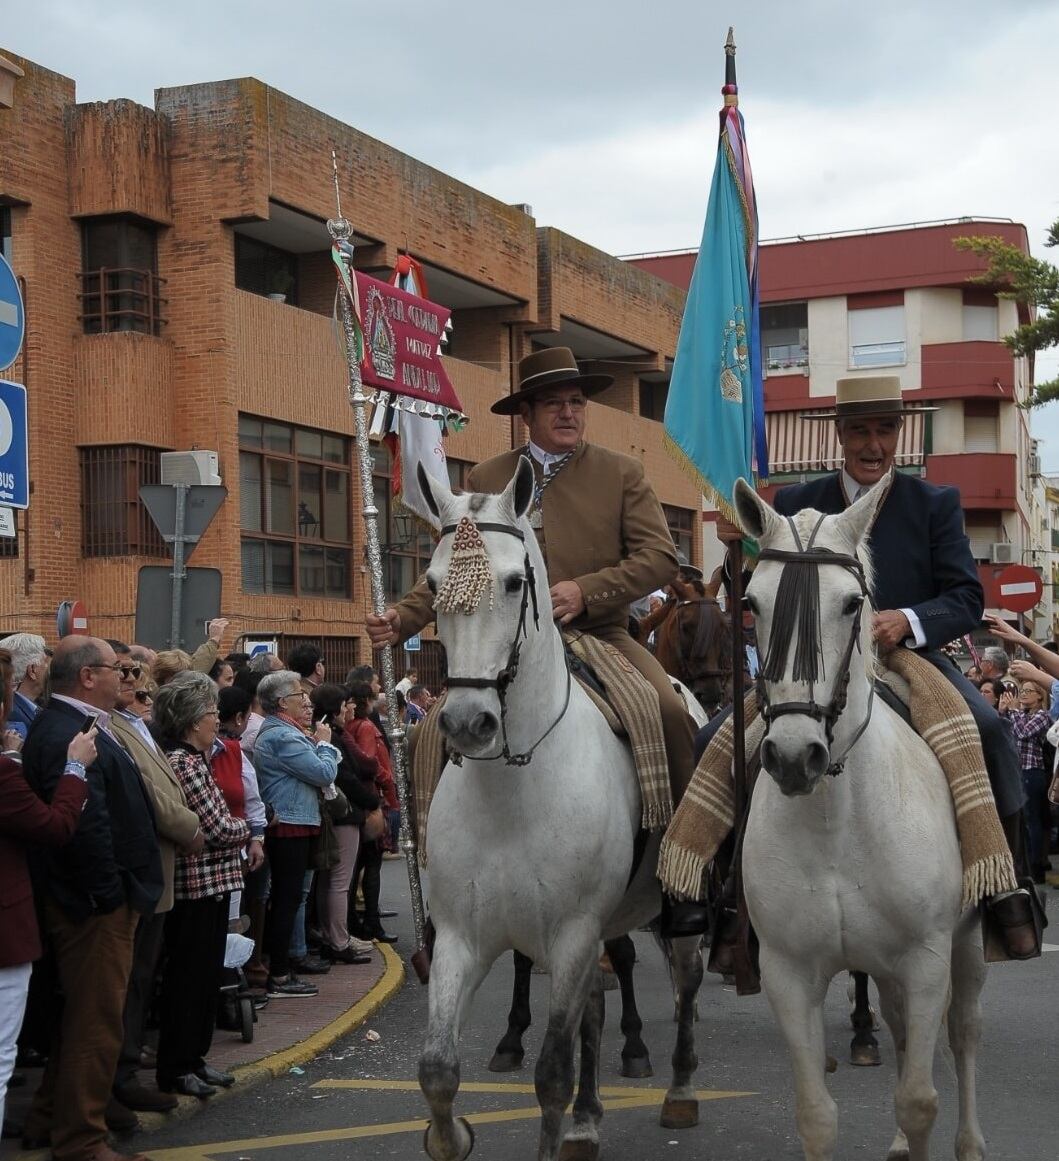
[{"x": 143, "y": 697}]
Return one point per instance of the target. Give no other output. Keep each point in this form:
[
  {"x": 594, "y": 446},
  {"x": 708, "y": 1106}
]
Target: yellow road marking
[{"x": 616, "y": 1098}]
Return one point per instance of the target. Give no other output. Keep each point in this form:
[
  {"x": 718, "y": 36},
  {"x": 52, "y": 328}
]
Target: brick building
[
  {"x": 899, "y": 300},
  {"x": 178, "y": 290}
]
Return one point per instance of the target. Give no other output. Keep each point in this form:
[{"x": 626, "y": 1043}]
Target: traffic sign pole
[{"x": 179, "y": 571}]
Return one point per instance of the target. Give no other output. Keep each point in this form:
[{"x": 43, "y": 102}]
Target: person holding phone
[{"x": 1030, "y": 722}]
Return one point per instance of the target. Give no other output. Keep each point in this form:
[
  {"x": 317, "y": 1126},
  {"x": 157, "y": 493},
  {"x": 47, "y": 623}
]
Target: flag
[
  {"x": 715, "y": 411},
  {"x": 418, "y": 438}
]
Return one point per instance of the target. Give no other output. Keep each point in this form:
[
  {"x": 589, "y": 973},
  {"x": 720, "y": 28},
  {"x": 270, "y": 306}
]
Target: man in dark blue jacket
[
  {"x": 92, "y": 893},
  {"x": 926, "y": 588}
]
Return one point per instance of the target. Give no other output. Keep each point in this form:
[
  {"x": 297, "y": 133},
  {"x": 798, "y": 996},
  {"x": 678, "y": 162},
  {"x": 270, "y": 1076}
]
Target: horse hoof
[
  {"x": 830, "y": 1064},
  {"x": 463, "y": 1129},
  {"x": 865, "y": 1055},
  {"x": 636, "y": 1067},
  {"x": 679, "y": 1113},
  {"x": 506, "y": 1061},
  {"x": 579, "y": 1150}
]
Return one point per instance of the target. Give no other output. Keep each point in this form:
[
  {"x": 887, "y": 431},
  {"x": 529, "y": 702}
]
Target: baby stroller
[{"x": 237, "y": 1010}]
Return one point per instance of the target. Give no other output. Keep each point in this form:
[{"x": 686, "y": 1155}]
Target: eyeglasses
[
  {"x": 300, "y": 696},
  {"x": 131, "y": 672},
  {"x": 143, "y": 697},
  {"x": 556, "y": 405}
]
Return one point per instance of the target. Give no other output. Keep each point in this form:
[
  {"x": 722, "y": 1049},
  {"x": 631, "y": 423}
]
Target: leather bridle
[
  {"x": 502, "y": 682},
  {"x": 832, "y": 711}
]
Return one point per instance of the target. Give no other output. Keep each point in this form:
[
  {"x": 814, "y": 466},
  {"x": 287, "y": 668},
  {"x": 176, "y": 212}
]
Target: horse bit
[
  {"x": 804, "y": 589},
  {"x": 507, "y": 675}
]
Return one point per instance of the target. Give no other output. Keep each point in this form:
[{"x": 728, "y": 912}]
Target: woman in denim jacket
[{"x": 293, "y": 767}]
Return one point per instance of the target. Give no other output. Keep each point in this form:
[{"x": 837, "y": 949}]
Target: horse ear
[
  {"x": 427, "y": 485},
  {"x": 856, "y": 521},
  {"x": 519, "y": 492},
  {"x": 756, "y": 518}
]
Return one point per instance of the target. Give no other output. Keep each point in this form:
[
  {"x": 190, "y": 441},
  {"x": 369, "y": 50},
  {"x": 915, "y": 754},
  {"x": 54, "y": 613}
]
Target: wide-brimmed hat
[
  {"x": 551, "y": 367},
  {"x": 872, "y": 395}
]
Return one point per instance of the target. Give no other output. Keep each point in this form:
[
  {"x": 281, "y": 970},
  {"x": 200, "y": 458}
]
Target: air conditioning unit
[
  {"x": 1003, "y": 553},
  {"x": 190, "y": 467}
]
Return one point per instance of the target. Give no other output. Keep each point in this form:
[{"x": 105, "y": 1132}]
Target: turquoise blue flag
[{"x": 715, "y": 413}]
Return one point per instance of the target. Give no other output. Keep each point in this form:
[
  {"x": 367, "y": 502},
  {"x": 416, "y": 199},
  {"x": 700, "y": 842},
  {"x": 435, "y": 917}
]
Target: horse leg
[
  {"x": 796, "y": 995},
  {"x": 965, "y": 1025},
  {"x": 574, "y": 958},
  {"x": 635, "y": 1060},
  {"x": 454, "y": 977},
  {"x": 581, "y": 1143},
  {"x": 680, "y": 1110},
  {"x": 924, "y": 981},
  {"x": 509, "y": 1052},
  {"x": 863, "y": 1048},
  {"x": 891, "y": 1004}
]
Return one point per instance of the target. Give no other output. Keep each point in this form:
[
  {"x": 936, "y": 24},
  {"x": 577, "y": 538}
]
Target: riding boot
[
  {"x": 1017, "y": 920},
  {"x": 682, "y": 917}
]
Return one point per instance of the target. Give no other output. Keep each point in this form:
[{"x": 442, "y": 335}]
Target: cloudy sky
[{"x": 601, "y": 114}]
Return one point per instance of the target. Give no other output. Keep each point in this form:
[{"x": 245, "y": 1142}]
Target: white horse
[
  {"x": 860, "y": 870},
  {"x": 531, "y": 839}
]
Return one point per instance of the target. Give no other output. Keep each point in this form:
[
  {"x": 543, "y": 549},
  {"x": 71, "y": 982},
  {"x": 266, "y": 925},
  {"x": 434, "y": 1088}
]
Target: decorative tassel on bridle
[
  {"x": 797, "y": 603},
  {"x": 469, "y": 574}
]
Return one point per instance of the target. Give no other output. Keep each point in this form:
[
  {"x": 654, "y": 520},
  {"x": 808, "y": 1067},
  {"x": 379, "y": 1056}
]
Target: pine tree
[{"x": 1030, "y": 282}]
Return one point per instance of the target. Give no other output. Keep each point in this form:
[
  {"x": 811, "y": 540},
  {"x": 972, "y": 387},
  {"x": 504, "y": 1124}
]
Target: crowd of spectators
[{"x": 150, "y": 805}]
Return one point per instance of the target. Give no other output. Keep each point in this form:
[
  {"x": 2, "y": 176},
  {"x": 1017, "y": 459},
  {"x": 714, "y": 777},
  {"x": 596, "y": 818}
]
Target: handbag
[
  {"x": 338, "y": 808},
  {"x": 374, "y": 825}
]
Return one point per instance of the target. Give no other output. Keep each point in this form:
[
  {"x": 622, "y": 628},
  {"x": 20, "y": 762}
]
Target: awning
[{"x": 797, "y": 444}]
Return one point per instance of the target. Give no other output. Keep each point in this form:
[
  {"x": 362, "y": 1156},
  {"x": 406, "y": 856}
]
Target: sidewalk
[{"x": 288, "y": 1032}]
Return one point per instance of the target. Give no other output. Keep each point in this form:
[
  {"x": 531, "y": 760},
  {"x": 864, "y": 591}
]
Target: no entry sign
[{"x": 1020, "y": 588}]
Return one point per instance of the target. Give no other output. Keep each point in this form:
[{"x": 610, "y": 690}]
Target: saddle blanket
[
  {"x": 940, "y": 716},
  {"x": 631, "y": 703}
]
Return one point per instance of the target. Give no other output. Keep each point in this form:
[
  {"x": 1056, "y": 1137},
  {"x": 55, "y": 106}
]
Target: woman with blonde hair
[{"x": 1030, "y": 721}]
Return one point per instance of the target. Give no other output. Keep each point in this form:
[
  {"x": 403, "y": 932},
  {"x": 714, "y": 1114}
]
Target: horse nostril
[
  {"x": 817, "y": 760},
  {"x": 768, "y": 755},
  {"x": 484, "y": 725},
  {"x": 446, "y": 722}
]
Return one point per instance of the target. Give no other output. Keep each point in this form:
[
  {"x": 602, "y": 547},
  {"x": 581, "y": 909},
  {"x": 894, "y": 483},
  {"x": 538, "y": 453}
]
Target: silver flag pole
[{"x": 341, "y": 232}]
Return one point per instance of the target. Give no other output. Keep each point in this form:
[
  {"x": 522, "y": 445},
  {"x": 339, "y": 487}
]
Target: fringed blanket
[
  {"x": 707, "y": 811},
  {"x": 629, "y": 696}
]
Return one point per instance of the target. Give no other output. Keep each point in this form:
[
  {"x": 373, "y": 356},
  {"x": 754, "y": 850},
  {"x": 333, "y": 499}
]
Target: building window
[
  {"x": 294, "y": 510},
  {"x": 785, "y": 337},
  {"x": 681, "y": 522},
  {"x": 120, "y": 287},
  {"x": 5, "y": 233},
  {"x": 114, "y": 522},
  {"x": 9, "y": 544},
  {"x": 264, "y": 269},
  {"x": 653, "y": 398},
  {"x": 980, "y": 321},
  {"x": 981, "y": 425},
  {"x": 341, "y": 654},
  {"x": 876, "y": 334},
  {"x": 407, "y": 543}
]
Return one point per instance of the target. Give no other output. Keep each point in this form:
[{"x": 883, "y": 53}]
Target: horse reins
[
  {"x": 502, "y": 682},
  {"x": 802, "y": 589}
]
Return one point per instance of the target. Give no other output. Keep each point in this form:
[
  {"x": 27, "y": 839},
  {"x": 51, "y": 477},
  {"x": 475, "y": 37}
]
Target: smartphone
[{"x": 91, "y": 720}]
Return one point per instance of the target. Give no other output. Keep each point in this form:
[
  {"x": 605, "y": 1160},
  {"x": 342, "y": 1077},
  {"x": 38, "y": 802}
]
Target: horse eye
[
  {"x": 513, "y": 584},
  {"x": 852, "y": 605}
]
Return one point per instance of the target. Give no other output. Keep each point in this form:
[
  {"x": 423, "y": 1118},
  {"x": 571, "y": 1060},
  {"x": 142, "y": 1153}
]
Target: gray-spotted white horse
[
  {"x": 858, "y": 870},
  {"x": 531, "y": 840}
]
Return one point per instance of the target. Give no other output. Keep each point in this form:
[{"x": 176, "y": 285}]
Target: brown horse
[{"x": 693, "y": 640}]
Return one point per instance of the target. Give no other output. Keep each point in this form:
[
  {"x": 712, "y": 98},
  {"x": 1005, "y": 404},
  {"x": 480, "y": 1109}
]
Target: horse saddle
[{"x": 584, "y": 673}]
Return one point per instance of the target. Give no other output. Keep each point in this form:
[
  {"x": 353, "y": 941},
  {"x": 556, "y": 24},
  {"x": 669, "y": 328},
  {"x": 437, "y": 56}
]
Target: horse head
[
  {"x": 809, "y": 598},
  {"x": 490, "y": 597}
]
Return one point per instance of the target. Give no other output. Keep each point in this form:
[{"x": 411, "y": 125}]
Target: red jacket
[
  {"x": 368, "y": 737},
  {"x": 26, "y": 821}
]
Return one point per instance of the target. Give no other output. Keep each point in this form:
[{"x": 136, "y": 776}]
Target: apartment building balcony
[
  {"x": 963, "y": 370},
  {"x": 985, "y": 479}
]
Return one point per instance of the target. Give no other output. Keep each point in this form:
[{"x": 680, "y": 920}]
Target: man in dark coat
[
  {"x": 926, "y": 586},
  {"x": 92, "y": 892}
]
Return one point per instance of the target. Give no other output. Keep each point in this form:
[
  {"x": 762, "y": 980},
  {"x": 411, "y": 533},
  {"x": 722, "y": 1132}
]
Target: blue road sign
[
  {"x": 12, "y": 316},
  {"x": 413, "y": 644},
  {"x": 14, "y": 446}
]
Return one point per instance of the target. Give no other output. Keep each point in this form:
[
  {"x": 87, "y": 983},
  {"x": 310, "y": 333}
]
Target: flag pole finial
[{"x": 730, "y": 90}]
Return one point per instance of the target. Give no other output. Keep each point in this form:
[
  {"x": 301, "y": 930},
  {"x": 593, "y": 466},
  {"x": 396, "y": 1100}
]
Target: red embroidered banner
[{"x": 402, "y": 333}]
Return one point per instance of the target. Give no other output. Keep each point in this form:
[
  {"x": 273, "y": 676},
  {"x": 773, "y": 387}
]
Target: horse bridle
[
  {"x": 696, "y": 645},
  {"x": 502, "y": 682},
  {"x": 830, "y": 713}
]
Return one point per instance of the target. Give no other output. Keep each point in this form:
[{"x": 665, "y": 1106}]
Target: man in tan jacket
[
  {"x": 603, "y": 535},
  {"x": 177, "y": 827}
]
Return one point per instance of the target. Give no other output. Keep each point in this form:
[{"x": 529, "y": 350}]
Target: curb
[{"x": 248, "y": 1076}]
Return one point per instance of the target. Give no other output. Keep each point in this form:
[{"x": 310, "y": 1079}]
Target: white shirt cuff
[{"x": 918, "y": 638}]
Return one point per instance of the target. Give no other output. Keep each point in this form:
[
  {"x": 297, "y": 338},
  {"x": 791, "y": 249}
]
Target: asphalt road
[{"x": 360, "y": 1099}]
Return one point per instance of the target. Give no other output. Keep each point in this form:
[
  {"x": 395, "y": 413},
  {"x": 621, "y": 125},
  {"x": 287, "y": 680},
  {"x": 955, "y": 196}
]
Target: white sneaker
[{"x": 361, "y": 946}]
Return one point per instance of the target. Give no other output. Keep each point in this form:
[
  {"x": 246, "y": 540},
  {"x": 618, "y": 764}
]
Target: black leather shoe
[
  {"x": 214, "y": 1076},
  {"x": 188, "y": 1085},
  {"x": 683, "y": 918},
  {"x": 311, "y": 965}
]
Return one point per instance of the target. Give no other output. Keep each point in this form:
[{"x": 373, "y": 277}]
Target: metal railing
[{"x": 121, "y": 299}]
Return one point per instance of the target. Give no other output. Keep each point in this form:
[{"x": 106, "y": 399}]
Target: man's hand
[
  {"x": 82, "y": 747},
  {"x": 567, "y": 601},
  {"x": 215, "y": 629},
  {"x": 1004, "y": 631},
  {"x": 255, "y": 855},
  {"x": 384, "y": 630},
  {"x": 12, "y": 741},
  {"x": 890, "y": 628},
  {"x": 196, "y": 844}
]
